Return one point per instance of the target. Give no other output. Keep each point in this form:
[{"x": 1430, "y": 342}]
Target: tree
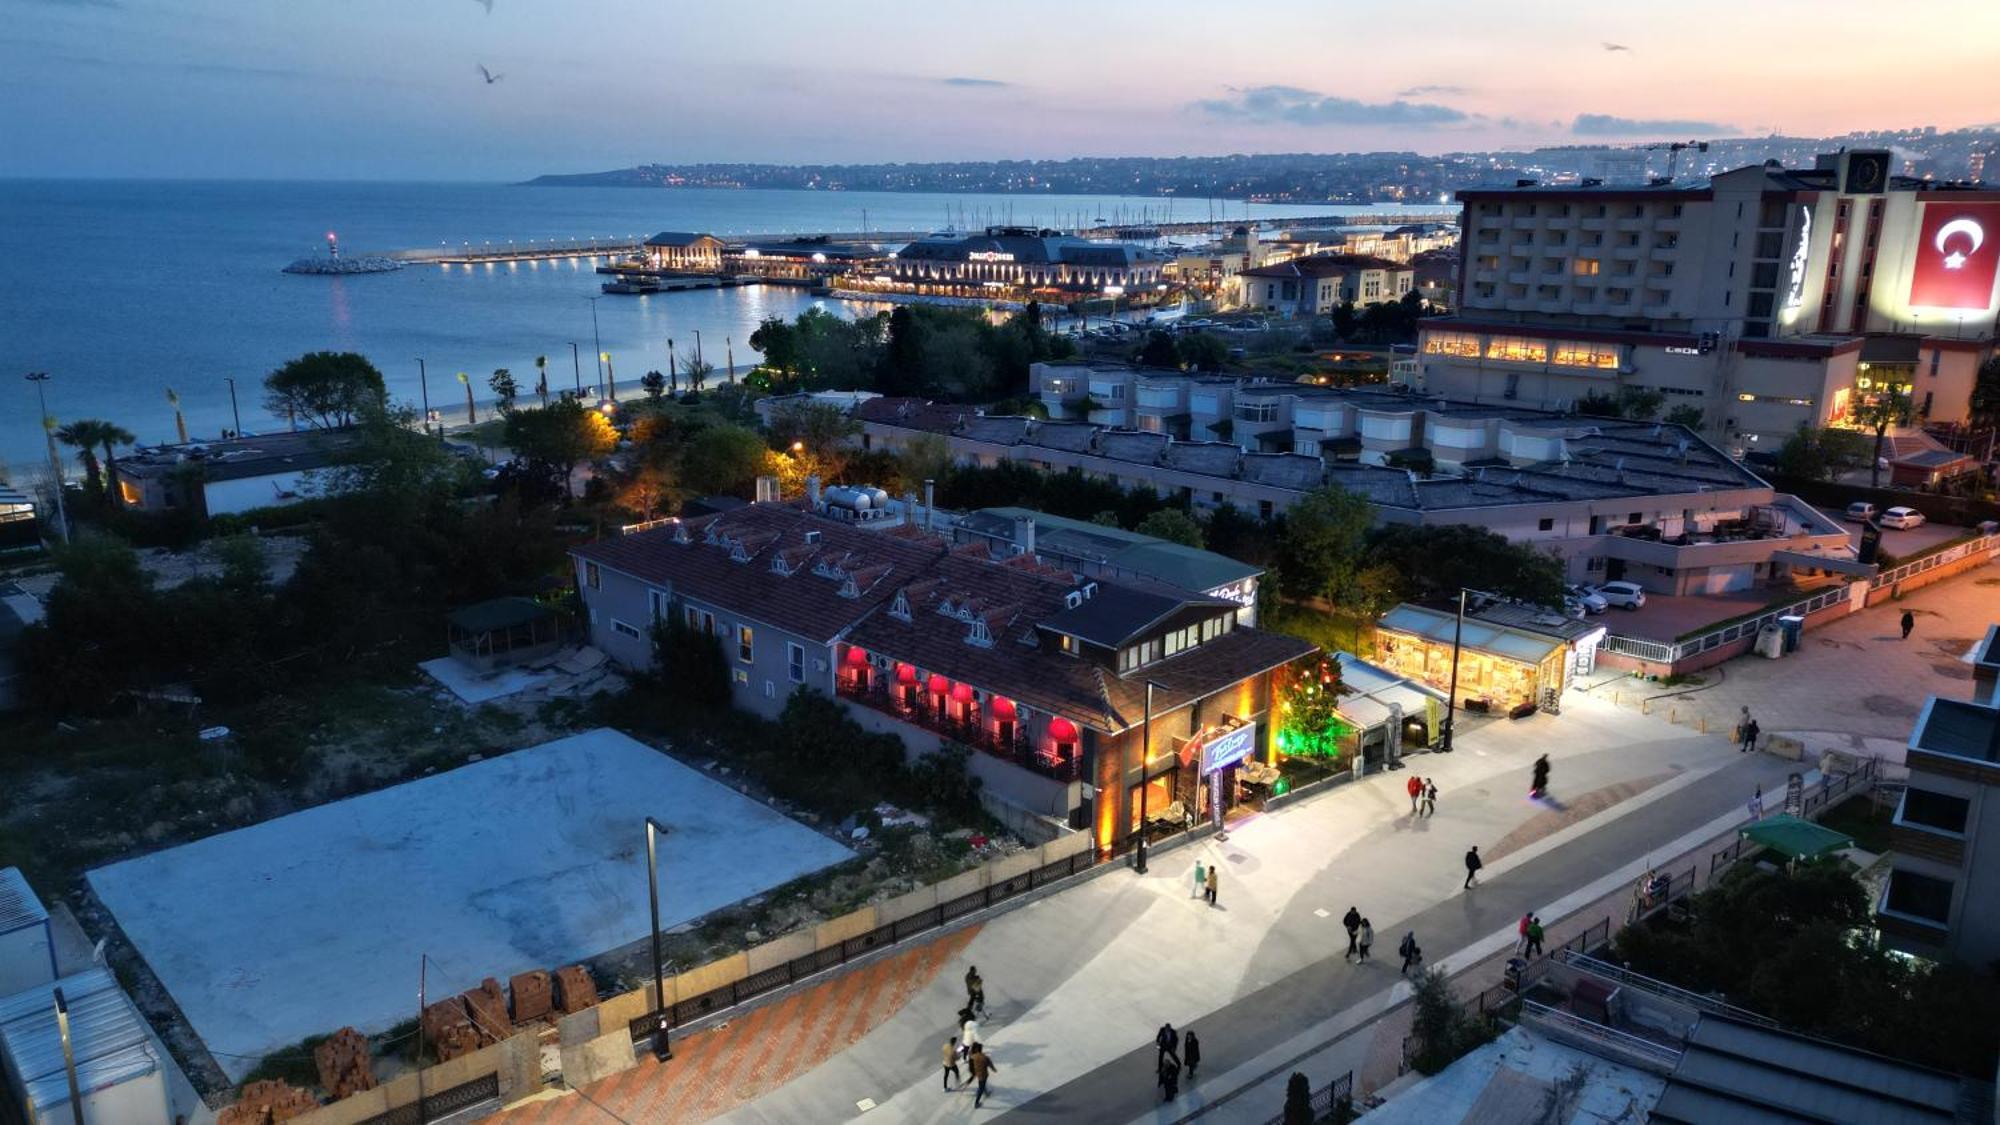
[
  {"x": 1308, "y": 718},
  {"x": 1204, "y": 351},
  {"x": 1888, "y": 405},
  {"x": 654, "y": 384},
  {"x": 1173, "y": 525},
  {"x": 820, "y": 434},
  {"x": 1298, "y": 1101},
  {"x": 327, "y": 390},
  {"x": 1445, "y": 1032},
  {"x": 1819, "y": 454},
  {"x": 86, "y": 435},
  {"x": 1345, "y": 319},
  {"x": 697, "y": 372},
  {"x": 925, "y": 457},
  {"x": 561, "y": 437},
  {"x": 505, "y": 390},
  {"x": 724, "y": 461},
  {"x": 1159, "y": 351},
  {"x": 1630, "y": 402},
  {"x": 1434, "y": 562},
  {"x": 542, "y": 378},
  {"x": 690, "y": 663},
  {"x": 1985, "y": 401},
  {"x": 102, "y": 630},
  {"x": 649, "y": 488},
  {"x": 1686, "y": 414},
  {"x": 1322, "y": 542}
]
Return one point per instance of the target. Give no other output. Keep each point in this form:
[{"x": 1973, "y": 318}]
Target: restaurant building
[
  {"x": 1085, "y": 703},
  {"x": 1021, "y": 261},
  {"x": 1511, "y": 659}
]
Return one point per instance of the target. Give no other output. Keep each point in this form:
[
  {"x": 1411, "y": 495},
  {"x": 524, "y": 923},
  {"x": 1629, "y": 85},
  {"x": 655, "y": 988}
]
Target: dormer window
[
  {"x": 900, "y": 608},
  {"x": 680, "y": 532},
  {"x": 1070, "y": 647},
  {"x": 738, "y": 552},
  {"x": 979, "y": 635},
  {"x": 778, "y": 564}
]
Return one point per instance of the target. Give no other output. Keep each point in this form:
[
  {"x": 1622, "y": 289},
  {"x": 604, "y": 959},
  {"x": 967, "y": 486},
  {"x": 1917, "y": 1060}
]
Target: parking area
[
  {"x": 1666, "y": 616},
  {"x": 1901, "y": 544}
]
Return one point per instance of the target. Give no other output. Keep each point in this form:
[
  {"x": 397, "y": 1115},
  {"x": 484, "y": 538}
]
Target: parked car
[
  {"x": 1861, "y": 511},
  {"x": 1901, "y": 518},
  {"x": 1624, "y": 595},
  {"x": 1589, "y": 599}
]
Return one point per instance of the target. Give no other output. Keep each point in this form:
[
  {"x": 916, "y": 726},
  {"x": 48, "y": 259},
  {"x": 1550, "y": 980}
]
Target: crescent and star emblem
[{"x": 1954, "y": 259}]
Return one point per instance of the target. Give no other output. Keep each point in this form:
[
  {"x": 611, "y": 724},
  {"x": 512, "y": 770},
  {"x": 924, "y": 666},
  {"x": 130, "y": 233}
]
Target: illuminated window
[
  {"x": 1517, "y": 349},
  {"x": 745, "y": 643},
  {"x": 1584, "y": 267},
  {"x": 590, "y": 576},
  {"x": 1451, "y": 343},
  {"x": 1575, "y": 353}
]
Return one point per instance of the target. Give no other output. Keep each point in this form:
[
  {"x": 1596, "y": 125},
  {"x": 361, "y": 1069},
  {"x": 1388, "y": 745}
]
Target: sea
[{"x": 122, "y": 291}]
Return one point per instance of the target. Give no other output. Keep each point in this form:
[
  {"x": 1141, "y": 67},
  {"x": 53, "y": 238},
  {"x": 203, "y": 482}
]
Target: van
[{"x": 1861, "y": 511}]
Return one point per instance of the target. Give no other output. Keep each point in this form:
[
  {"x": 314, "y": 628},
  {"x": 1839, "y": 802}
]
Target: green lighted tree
[{"x": 1309, "y": 726}]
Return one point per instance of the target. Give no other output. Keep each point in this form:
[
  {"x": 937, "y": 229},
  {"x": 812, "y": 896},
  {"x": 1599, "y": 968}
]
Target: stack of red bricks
[
  {"x": 576, "y": 990},
  {"x": 344, "y": 1065},
  {"x": 488, "y": 1005},
  {"x": 534, "y": 995},
  {"x": 266, "y": 1103},
  {"x": 448, "y": 1029}
]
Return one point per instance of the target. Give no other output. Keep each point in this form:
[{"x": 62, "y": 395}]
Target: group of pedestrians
[
  {"x": 1360, "y": 935},
  {"x": 1529, "y": 944},
  {"x": 1207, "y": 879},
  {"x": 1176, "y": 1052},
  {"x": 965, "y": 1047},
  {"x": 1423, "y": 795}
]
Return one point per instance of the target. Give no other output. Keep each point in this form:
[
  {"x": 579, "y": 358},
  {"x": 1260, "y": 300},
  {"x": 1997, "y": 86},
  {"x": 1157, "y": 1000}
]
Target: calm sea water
[{"x": 121, "y": 290}]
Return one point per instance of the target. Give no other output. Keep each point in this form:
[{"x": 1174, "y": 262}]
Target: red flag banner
[{"x": 1957, "y": 256}]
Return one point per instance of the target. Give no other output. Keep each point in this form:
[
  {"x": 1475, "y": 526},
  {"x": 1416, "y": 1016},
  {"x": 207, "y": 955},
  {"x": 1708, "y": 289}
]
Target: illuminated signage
[
  {"x": 1795, "y": 281},
  {"x": 1243, "y": 592},
  {"x": 1228, "y": 748},
  {"x": 989, "y": 256},
  {"x": 1958, "y": 253},
  {"x": 1677, "y": 350}
]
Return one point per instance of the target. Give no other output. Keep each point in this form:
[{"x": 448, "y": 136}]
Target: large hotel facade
[{"x": 1768, "y": 298}]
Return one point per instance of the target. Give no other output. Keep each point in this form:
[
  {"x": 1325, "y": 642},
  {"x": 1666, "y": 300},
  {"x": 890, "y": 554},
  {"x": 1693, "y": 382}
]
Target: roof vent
[{"x": 812, "y": 537}]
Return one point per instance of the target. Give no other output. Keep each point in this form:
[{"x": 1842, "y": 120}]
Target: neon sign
[
  {"x": 1795, "y": 281},
  {"x": 1228, "y": 748},
  {"x": 989, "y": 256}
]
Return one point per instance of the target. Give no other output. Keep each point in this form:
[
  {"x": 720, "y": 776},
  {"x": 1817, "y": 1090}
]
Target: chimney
[
  {"x": 930, "y": 501},
  {"x": 1024, "y": 535},
  {"x": 812, "y": 491},
  {"x": 767, "y": 490}
]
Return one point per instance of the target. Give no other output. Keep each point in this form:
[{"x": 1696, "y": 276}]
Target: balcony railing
[{"x": 976, "y": 735}]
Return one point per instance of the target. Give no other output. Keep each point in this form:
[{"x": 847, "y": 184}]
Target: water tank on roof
[
  {"x": 877, "y": 498},
  {"x": 848, "y": 497}
]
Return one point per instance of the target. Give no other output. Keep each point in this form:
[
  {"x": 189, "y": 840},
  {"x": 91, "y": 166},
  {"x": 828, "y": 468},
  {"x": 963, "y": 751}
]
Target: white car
[
  {"x": 1624, "y": 595},
  {"x": 1901, "y": 518},
  {"x": 1589, "y": 599}
]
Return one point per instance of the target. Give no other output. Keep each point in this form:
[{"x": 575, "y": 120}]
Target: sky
[{"x": 391, "y": 89}]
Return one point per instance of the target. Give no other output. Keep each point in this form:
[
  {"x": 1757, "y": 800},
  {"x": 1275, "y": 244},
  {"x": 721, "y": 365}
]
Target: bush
[{"x": 1444, "y": 1030}]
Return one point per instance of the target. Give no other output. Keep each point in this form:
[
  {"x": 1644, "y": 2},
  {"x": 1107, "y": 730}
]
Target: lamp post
[
  {"x": 663, "y": 1046},
  {"x": 40, "y": 380},
  {"x": 1451, "y": 698},
  {"x": 610, "y": 376},
  {"x": 234, "y": 414},
  {"x": 1145, "y": 760},
  {"x": 697, "y": 345},
  {"x": 69, "y": 1058},
  {"x": 576, "y": 365},
  {"x": 595, "y": 339},
  {"x": 424, "y": 387}
]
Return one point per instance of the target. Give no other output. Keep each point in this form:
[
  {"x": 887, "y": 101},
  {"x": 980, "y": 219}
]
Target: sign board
[
  {"x": 989, "y": 256},
  {"x": 1228, "y": 748}
]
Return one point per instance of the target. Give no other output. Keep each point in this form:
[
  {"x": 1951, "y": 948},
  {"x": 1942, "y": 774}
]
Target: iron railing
[
  {"x": 692, "y": 1008},
  {"x": 483, "y": 1089},
  {"x": 973, "y": 735},
  {"x": 1949, "y": 553},
  {"x": 1664, "y": 653},
  {"x": 1672, "y": 992},
  {"x": 1556, "y": 1018}
]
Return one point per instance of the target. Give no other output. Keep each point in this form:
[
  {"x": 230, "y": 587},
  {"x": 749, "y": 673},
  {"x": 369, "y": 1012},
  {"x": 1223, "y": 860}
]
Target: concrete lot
[
  {"x": 1900, "y": 543},
  {"x": 1666, "y": 616}
]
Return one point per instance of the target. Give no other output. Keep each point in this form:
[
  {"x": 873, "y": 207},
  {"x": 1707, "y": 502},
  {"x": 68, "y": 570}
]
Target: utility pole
[
  {"x": 1451, "y": 699},
  {"x": 595, "y": 338},
  {"x": 40, "y": 380},
  {"x": 576, "y": 364},
  {"x": 424, "y": 385},
  {"x": 234, "y": 414}
]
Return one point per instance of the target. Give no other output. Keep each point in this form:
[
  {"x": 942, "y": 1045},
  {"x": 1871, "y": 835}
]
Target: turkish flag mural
[{"x": 1956, "y": 256}]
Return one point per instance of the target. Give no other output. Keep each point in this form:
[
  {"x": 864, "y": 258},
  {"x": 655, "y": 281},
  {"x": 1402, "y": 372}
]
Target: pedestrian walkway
[{"x": 756, "y": 1050}]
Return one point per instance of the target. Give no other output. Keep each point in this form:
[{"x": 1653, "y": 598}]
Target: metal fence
[
  {"x": 1664, "y": 653},
  {"x": 1676, "y": 993},
  {"x": 1949, "y": 553},
  {"x": 437, "y": 1105},
  {"x": 1331, "y": 1102},
  {"x": 692, "y": 1008}
]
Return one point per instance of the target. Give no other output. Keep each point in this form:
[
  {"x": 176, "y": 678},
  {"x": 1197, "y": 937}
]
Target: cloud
[
  {"x": 79, "y": 3},
  {"x": 1434, "y": 92},
  {"x": 1293, "y": 106},
  {"x": 1606, "y": 125},
  {"x": 975, "y": 83}
]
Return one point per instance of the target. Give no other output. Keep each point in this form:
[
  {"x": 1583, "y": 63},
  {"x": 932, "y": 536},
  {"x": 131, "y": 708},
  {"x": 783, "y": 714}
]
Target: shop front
[{"x": 1501, "y": 669}]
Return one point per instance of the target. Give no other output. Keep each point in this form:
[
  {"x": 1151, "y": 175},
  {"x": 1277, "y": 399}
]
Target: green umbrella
[{"x": 1794, "y": 838}]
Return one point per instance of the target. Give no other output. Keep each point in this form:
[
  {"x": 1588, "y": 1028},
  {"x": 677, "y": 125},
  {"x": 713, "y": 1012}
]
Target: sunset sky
[{"x": 390, "y": 89}]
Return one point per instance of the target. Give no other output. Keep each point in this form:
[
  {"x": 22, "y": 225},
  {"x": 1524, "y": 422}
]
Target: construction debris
[
  {"x": 266, "y": 1103},
  {"x": 488, "y": 1004},
  {"x": 534, "y": 995},
  {"x": 345, "y": 1068},
  {"x": 577, "y": 991},
  {"x": 448, "y": 1029}
]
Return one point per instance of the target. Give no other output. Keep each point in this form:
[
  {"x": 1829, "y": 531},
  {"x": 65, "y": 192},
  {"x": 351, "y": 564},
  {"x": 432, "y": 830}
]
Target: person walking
[
  {"x": 968, "y": 1034},
  {"x": 1909, "y": 623},
  {"x": 1521, "y": 936},
  {"x": 1750, "y": 732},
  {"x": 951, "y": 1075},
  {"x": 1535, "y": 937},
  {"x": 1541, "y": 783},
  {"x": 1190, "y": 1053},
  {"x": 982, "y": 1068},
  {"x": 1472, "y": 866},
  {"x": 975, "y": 991},
  {"x": 1352, "y": 920},
  {"x": 1411, "y": 954},
  {"x": 1757, "y": 804},
  {"x": 1416, "y": 787},
  {"x": 1367, "y": 939},
  {"x": 1169, "y": 1043},
  {"x": 1742, "y": 731},
  {"x": 1170, "y": 1080},
  {"x": 1200, "y": 878},
  {"x": 1213, "y": 882},
  {"x": 1430, "y": 796}
]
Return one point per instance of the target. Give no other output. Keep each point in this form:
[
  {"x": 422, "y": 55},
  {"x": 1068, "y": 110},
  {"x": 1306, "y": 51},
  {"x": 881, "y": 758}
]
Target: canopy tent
[{"x": 1794, "y": 838}]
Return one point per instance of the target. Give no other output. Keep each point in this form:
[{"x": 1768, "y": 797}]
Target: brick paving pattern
[{"x": 715, "y": 1070}]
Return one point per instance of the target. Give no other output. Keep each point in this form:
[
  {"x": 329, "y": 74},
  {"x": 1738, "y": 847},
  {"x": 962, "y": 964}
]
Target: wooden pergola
[{"x": 503, "y": 631}]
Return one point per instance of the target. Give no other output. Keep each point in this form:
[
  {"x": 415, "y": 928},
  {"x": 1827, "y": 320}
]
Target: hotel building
[{"x": 1768, "y": 298}]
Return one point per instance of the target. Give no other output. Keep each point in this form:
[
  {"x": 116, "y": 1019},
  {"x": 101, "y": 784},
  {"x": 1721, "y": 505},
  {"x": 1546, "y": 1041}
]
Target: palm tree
[
  {"x": 180, "y": 422},
  {"x": 542, "y": 378},
  {"x": 87, "y": 435}
]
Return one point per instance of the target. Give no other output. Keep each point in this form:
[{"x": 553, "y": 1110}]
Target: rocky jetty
[{"x": 366, "y": 264}]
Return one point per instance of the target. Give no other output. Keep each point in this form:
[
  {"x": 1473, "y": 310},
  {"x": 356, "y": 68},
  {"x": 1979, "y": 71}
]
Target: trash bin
[
  {"x": 1770, "y": 642},
  {"x": 1794, "y": 627}
]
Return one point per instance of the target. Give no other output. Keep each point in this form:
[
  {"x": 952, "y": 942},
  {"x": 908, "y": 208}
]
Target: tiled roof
[{"x": 806, "y": 601}]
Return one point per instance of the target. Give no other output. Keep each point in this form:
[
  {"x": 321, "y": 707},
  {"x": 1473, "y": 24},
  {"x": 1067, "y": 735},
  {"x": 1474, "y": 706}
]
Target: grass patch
[
  {"x": 1862, "y": 819},
  {"x": 293, "y": 1064},
  {"x": 1332, "y": 631}
]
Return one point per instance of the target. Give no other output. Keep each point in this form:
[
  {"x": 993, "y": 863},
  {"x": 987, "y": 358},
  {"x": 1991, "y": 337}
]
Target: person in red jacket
[{"x": 1416, "y": 788}]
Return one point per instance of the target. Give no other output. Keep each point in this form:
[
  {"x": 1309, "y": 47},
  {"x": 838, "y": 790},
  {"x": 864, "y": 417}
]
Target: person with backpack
[
  {"x": 1472, "y": 865},
  {"x": 1411, "y": 953}
]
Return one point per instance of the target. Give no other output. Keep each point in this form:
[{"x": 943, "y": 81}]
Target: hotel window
[
  {"x": 590, "y": 577},
  {"x": 1452, "y": 343},
  {"x": 1576, "y": 353},
  {"x": 1257, "y": 411},
  {"x": 745, "y": 643},
  {"x": 1585, "y": 267},
  {"x": 1517, "y": 349},
  {"x": 795, "y": 662}
]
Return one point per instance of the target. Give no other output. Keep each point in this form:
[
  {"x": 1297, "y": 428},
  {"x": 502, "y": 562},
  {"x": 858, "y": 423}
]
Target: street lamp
[
  {"x": 69, "y": 1057},
  {"x": 595, "y": 338},
  {"x": 663, "y": 1046},
  {"x": 233, "y": 412},
  {"x": 40, "y": 380},
  {"x": 424, "y": 385},
  {"x": 1451, "y": 698},
  {"x": 1145, "y": 763}
]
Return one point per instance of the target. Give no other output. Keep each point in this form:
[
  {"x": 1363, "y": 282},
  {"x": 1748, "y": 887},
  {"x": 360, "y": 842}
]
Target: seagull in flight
[
  {"x": 1616, "y": 47},
  {"x": 486, "y": 4},
  {"x": 490, "y": 77}
]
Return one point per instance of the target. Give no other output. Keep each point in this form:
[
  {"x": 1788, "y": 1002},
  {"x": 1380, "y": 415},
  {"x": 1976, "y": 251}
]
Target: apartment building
[
  {"x": 1048, "y": 676},
  {"x": 1317, "y": 285},
  {"x": 1942, "y": 897},
  {"x": 1644, "y": 502},
  {"x": 1767, "y": 298}
]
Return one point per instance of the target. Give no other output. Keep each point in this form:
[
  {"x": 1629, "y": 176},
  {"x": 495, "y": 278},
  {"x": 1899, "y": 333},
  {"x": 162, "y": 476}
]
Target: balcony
[{"x": 975, "y": 735}]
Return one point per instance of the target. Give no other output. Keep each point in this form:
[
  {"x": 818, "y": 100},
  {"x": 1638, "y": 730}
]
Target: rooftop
[
  {"x": 109, "y": 1040},
  {"x": 19, "y": 908},
  {"x": 1326, "y": 265},
  {"x": 1738, "y": 1072},
  {"x": 1528, "y": 646},
  {"x": 1023, "y": 245},
  {"x": 237, "y": 458},
  {"x": 1188, "y": 568},
  {"x": 1958, "y": 729}
]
